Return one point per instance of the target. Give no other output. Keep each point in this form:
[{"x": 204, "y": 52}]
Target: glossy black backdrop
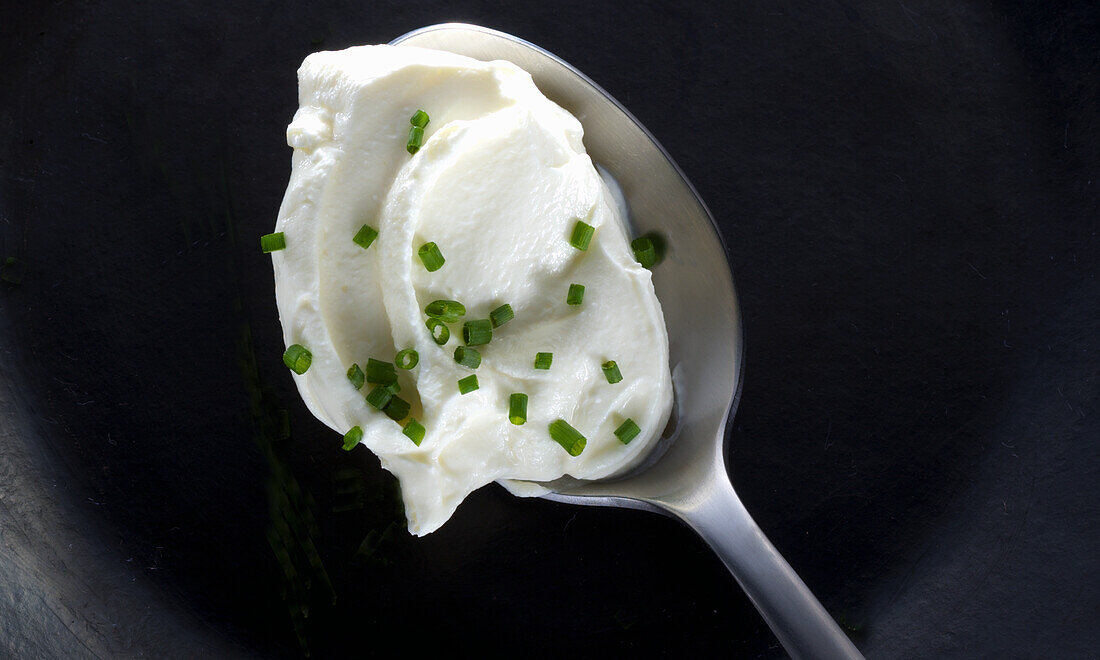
[{"x": 909, "y": 195}]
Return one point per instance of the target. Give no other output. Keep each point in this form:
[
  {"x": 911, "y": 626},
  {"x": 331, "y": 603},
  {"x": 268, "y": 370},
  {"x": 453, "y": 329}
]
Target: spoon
[{"x": 686, "y": 475}]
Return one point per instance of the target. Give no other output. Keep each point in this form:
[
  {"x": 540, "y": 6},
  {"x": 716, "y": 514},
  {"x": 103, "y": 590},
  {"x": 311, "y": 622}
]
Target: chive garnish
[
  {"x": 365, "y": 236},
  {"x": 379, "y": 397},
  {"x": 645, "y": 252},
  {"x": 576, "y": 294},
  {"x": 517, "y": 408},
  {"x": 419, "y": 118},
  {"x": 431, "y": 257},
  {"x": 380, "y": 373},
  {"x": 297, "y": 358},
  {"x": 611, "y": 372},
  {"x": 568, "y": 437},
  {"x": 627, "y": 431},
  {"x": 407, "y": 358},
  {"x": 440, "y": 332},
  {"x": 447, "y": 311},
  {"x": 476, "y": 333},
  {"x": 467, "y": 384},
  {"x": 397, "y": 409},
  {"x": 582, "y": 235},
  {"x": 467, "y": 357},
  {"x": 393, "y": 388},
  {"x": 356, "y": 376},
  {"x": 352, "y": 438},
  {"x": 414, "y": 430},
  {"x": 416, "y": 138},
  {"x": 501, "y": 315},
  {"x": 273, "y": 242},
  {"x": 543, "y": 360}
]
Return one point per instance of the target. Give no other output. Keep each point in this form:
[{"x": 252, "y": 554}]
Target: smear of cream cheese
[{"x": 499, "y": 183}]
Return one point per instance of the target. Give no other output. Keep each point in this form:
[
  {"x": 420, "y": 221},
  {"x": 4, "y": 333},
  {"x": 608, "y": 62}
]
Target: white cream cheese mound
[{"x": 499, "y": 184}]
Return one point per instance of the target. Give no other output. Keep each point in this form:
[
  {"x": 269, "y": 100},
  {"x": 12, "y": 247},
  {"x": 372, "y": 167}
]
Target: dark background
[{"x": 909, "y": 193}]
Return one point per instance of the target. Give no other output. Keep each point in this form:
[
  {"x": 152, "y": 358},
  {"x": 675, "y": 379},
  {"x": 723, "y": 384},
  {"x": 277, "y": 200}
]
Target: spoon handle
[{"x": 797, "y": 618}]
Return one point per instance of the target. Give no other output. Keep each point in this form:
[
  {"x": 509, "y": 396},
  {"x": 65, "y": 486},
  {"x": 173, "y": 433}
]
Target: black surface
[{"x": 909, "y": 193}]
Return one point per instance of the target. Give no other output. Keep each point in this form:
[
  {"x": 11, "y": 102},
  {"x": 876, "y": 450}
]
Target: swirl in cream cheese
[{"x": 499, "y": 183}]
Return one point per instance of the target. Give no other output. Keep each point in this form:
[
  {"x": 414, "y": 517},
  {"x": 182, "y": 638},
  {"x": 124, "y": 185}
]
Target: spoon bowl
[{"x": 685, "y": 476}]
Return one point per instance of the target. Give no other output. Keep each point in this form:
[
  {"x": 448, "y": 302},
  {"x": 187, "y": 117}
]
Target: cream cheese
[{"x": 499, "y": 183}]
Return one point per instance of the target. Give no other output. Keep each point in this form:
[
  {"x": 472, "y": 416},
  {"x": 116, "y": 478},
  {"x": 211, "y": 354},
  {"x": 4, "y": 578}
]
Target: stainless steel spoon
[{"x": 689, "y": 479}]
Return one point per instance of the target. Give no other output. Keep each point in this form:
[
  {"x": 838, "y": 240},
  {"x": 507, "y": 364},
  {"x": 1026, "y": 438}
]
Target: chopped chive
[
  {"x": 611, "y": 372},
  {"x": 297, "y": 358},
  {"x": 627, "y": 431},
  {"x": 431, "y": 257},
  {"x": 517, "y": 408},
  {"x": 273, "y": 242},
  {"x": 407, "y": 358},
  {"x": 440, "y": 332},
  {"x": 476, "y": 333},
  {"x": 582, "y": 235},
  {"x": 365, "y": 236},
  {"x": 397, "y": 409},
  {"x": 467, "y": 384},
  {"x": 576, "y": 294},
  {"x": 416, "y": 138},
  {"x": 352, "y": 438},
  {"x": 379, "y": 397},
  {"x": 467, "y": 357},
  {"x": 501, "y": 315},
  {"x": 393, "y": 388},
  {"x": 447, "y": 311},
  {"x": 419, "y": 118},
  {"x": 356, "y": 376},
  {"x": 543, "y": 360},
  {"x": 568, "y": 437},
  {"x": 414, "y": 430},
  {"x": 380, "y": 373},
  {"x": 645, "y": 252}
]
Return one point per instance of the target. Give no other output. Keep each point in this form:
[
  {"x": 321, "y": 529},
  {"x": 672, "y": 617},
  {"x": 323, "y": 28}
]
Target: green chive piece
[
  {"x": 627, "y": 431},
  {"x": 393, "y": 388},
  {"x": 582, "y": 235},
  {"x": 13, "y": 270},
  {"x": 297, "y": 358},
  {"x": 431, "y": 257},
  {"x": 611, "y": 372},
  {"x": 447, "y": 311},
  {"x": 468, "y": 384},
  {"x": 576, "y": 294},
  {"x": 407, "y": 358},
  {"x": 352, "y": 438},
  {"x": 501, "y": 315},
  {"x": 416, "y": 138},
  {"x": 365, "y": 236},
  {"x": 356, "y": 376},
  {"x": 517, "y": 408},
  {"x": 419, "y": 118},
  {"x": 379, "y": 397},
  {"x": 543, "y": 360},
  {"x": 645, "y": 252},
  {"x": 568, "y": 437},
  {"x": 440, "y": 332},
  {"x": 414, "y": 430},
  {"x": 273, "y": 242},
  {"x": 397, "y": 409},
  {"x": 476, "y": 333},
  {"x": 380, "y": 373},
  {"x": 467, "y": 357}
]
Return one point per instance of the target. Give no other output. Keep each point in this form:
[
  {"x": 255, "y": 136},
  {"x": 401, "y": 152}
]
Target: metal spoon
[{"x": 688, "y": 479}]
